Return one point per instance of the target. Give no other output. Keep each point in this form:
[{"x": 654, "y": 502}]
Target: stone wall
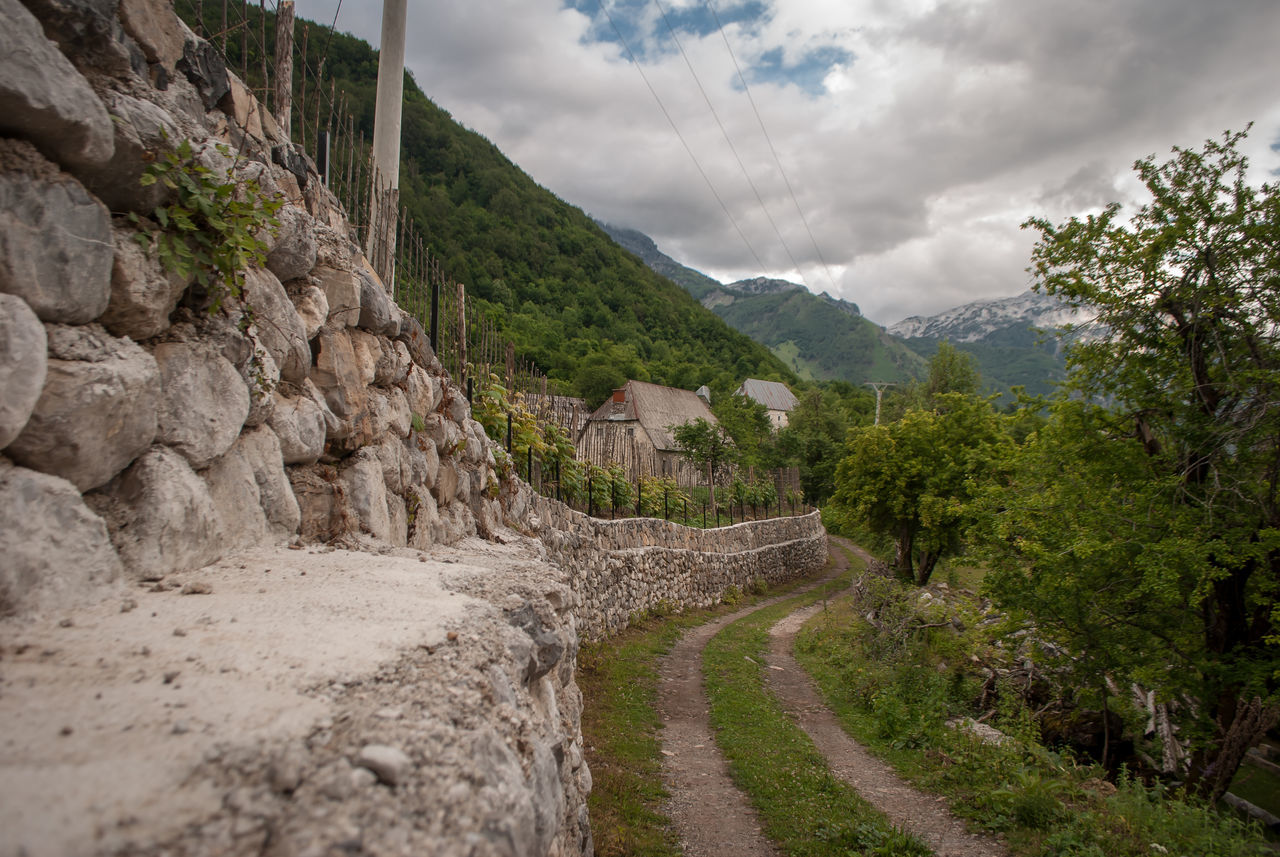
[
  {"x": 620, "y": 568},
  {"x": 143, "y": 433},
  {"x": 147, "y": 438}
]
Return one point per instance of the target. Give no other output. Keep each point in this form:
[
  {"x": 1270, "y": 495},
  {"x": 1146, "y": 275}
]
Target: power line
[
  {"x": 676, "y": 128},
  {"x": 765, "y": 131},
  {"x": 734, "y": 149}
]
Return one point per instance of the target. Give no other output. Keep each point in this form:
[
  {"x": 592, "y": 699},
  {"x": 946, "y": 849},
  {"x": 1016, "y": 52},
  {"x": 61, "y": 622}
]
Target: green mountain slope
[
  {"x": 819, "y": 337},
  {"x": 586, "y": 312}
]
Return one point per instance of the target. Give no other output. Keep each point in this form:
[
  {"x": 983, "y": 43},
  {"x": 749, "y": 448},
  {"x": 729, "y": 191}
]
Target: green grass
[
  {"x": 621, "y": 730},
  {"x": 803, "y": 807},
  {"x": 896, "y": 701}
]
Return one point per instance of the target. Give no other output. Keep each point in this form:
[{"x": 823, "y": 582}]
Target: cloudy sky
[{"x": 885, "y": 151}]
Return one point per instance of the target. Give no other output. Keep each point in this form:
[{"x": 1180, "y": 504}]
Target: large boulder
[
  {"x": 294, "y": 252},
  {"x": 204, "y": 401},
  {"x": 42, "y": 96},
  {"x": 337, "y": 375},
  {"x": 299, "y": 423},
  {"x": 97, "y": 412},
  {"x": 56, "y": 551},
  {"x": 161, "y": 516},
  {"x": 312, "y": 307},
  {"x": 143, "y": 295},
  {"x": 142, "y": 129},
  {"x": 378, "y": 313},
  {"x": 157, "y": 30},
  {"x": 322, "y": 502},
  {"x": 55, "y": 243},
  {"x": 277, "y": 324},
  {"x": 24, "y": 360},
  {"x": 87, "y": 31},
  {"x": 342, "y": 290},
  {"x": 249, "y": 487},
  {"x": 367, "y": 493},
  {"x": 423, "y": 391}
]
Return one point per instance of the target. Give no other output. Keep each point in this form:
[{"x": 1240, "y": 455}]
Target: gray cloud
[{"x": 943, "y": 125}]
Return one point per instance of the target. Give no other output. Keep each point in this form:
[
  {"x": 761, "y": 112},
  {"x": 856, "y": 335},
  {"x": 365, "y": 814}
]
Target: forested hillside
[{"x": 587, "y": 313}]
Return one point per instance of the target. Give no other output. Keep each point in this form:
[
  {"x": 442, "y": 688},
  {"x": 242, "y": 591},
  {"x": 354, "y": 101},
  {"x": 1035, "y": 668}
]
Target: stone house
[
  {"x": 778, "y": 401},
  {"x": 633, "y": 428}
]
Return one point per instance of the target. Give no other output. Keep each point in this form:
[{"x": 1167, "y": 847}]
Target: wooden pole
[{"x": 283, "y": 100}]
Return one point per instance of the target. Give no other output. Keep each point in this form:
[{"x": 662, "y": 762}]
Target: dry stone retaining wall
[
  {"x": 144, "y": 437},
  {"x": 620, "y": 568}
]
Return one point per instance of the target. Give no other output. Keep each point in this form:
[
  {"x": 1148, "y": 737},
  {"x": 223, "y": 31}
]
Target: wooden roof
[{"x": 655, "y": 407}]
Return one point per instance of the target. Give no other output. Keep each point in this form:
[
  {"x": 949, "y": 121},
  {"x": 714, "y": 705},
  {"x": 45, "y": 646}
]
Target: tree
[
  {"x": 912, "y": 480},
  {"x": 707, "y": 445},
  {"x": 747, "y": 422},
  {"x": 1186, "y": 531}
]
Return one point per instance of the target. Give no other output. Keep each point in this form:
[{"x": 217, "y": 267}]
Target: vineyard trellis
[{"x": 318, "y": 117}]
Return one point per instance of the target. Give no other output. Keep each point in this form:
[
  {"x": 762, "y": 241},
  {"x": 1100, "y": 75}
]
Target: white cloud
[{"x": 942, "y": 126}]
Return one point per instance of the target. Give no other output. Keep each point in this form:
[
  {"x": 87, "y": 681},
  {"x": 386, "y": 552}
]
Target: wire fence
[{"x": 288, "y": 76}]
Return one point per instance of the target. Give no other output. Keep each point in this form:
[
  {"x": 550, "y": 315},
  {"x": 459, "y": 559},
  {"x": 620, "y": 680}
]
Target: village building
[
  {"x": 634, "y": 428},
  {"x": 778, "y": 401}
]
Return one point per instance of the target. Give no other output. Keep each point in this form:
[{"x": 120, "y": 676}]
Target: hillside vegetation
[{"x": 587, "y": 313}]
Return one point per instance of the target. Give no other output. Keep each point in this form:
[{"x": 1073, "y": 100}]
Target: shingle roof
[
  {"x": 772, "y": 394},
  {"x": 656, "y": 407}
]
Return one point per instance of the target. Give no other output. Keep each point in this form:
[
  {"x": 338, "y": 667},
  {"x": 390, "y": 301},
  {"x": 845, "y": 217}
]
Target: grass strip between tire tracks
[
  {"x": 802, "y": 805},
  {"x": 621, "y": 729}
]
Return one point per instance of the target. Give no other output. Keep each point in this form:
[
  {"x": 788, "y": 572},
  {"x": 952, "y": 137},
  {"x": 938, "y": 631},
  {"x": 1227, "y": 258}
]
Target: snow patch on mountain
[{"x": 975, "y": 321}]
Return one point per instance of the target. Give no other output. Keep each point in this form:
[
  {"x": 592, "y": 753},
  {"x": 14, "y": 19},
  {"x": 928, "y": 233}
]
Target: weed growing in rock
[{"x": 211, "y": 229}]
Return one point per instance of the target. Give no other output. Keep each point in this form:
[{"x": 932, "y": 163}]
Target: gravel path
[
  {"x": 921, "y": 814},
  {"x": 713, "y": 817}
]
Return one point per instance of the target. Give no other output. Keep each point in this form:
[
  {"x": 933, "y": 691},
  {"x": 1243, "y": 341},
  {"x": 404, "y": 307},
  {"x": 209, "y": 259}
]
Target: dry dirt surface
[{"x": 714, "y": 818}]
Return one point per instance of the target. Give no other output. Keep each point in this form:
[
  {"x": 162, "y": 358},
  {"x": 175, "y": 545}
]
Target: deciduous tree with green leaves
[
  {"x": 912, "y": 480},
  {"x": 707, "y": 445},
  {"x": 1159, "y": 504}
]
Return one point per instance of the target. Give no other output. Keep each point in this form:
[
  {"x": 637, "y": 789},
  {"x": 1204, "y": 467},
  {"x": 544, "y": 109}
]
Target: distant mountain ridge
[{"x": 974, "y": 322}]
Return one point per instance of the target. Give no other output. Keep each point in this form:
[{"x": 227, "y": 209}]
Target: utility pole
[
  {"x": 879, "y": 387},
  {"x": 284, "y": 68},
  {"x": 385, "y": 201}
]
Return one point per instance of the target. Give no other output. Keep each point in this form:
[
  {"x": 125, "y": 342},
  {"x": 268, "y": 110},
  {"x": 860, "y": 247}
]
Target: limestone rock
[
  {"x": 42, "y": 96},
  {"x": 424, "y": 520},
  {"x": 397, "y": 466},
  {"x": 367, "y": 493},
  {"x": 294, "y": 252},
  {"x": 251, "y": 491},
  {"x": 203, "y": 66},
  {"x": 161, "y": 516},
  {"x": 234, "y": 492},
  {"x": 390, "y": 764},
  {"x": 378, "y": 313},
  {"x": 24, "y": 360},
  {"x": 368, "y": 352},
  {"x": 312, "y": 307},
  {"x": 56, "y": 551},
  {"x": 398, "y": 515},
  {"x": 299, "y": 423},
  {"x": 322, "y": 502},
  {"x": 399, "y": 419},
  {"x": 156, "y": 29},
  {"x": 204, "y": 401},
  {"x": 422, "y": 389},
  {"x": 55, "y": 246},
  {"x": 87, "y": 31},
  {"x": 418, "y": 343},
  {"x": 98, "y": 409},
  {"x": 337, "y": 375},
  {"x": 143, "y": 295},
  {"x": 141, "y": 129},
  {"x": 447, "y": 481},
  {"x": 342, "y": 289},
  {"x": 277, "y": 324}
]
